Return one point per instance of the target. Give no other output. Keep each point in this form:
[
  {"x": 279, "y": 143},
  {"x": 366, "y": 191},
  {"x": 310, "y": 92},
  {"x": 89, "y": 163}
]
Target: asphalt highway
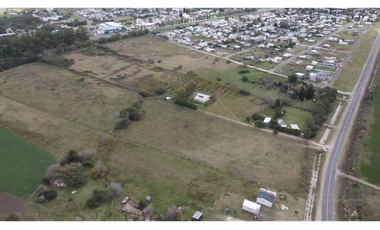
[{"x": 328, "y": 201}]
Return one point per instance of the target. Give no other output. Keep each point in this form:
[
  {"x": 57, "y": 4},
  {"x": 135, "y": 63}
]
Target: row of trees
[{"x": 18, "y": 50}]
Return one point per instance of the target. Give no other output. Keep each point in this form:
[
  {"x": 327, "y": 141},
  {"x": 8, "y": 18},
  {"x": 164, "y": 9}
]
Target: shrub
[
  {"x": 160, "y": 91},
  {"x": 51, "y": 194},
  {"x": 100, "y": 170},
  {"x": 122, "y": 124},
  {"x": 88, "y": 164},
  {"x": 180, "y": 67},
  {"x": 124, "y": 114},
  {"x": 98, "y": 197},
  {"x": 12, "y": 217},
  {"x": 142, "y": 204},
  {"x": 133, "y": 115},
  {"x": 257, "y": 117},
  {"x": 275, "y": 132},
  {"x": 243, "y": 71},
  {"x": 186, "y": 103},
  {"x": 228, "y": 61},
  {"x": 259, "y": 124},
  {"x": 144, "y": 94},
  {"x": 219, "y": 79},
  {"x": 244, "y": 92}
]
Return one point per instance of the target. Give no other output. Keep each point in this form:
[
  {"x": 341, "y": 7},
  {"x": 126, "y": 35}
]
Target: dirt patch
[{"x": 10, "y": 204}]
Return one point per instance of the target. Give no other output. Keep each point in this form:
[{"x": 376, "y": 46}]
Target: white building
[
  {"x": 267, "y": 120},
  {"x": 202, "y": 98},
  {"x": 251, "y": 207}
]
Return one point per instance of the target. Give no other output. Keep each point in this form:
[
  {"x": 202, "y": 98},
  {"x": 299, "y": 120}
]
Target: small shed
[
  {"x": 251, "y": 207},
  {"x": 309, "y": 67},
  {"x": 281, "y": 123},
  {"x": 267, "y": 120},
  {"x": 294, "y": 126},
  {"x": 197, "y": 215}
]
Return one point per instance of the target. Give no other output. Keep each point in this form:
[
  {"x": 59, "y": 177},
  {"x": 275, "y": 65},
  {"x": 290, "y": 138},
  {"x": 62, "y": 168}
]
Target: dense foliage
[{"x": 186, "y": 103}]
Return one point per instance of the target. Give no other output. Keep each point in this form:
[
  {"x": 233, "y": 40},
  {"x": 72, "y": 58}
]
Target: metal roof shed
[
  {"x": 197, "y": 215},
  {"x": 251, "y": 207}
]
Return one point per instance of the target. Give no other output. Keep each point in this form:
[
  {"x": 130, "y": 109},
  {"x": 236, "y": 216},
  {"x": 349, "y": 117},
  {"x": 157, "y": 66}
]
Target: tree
[
  {"x": 181, "y": 93},
  {"x": 122, "y": 124},
  {"x": 259, "y": 124},
  {"x": 275, "y": 132},
  {"x": 190, "y": 88},
  {"x": 76, "y": 179},
  {"x": 55, "y": 172},
  {"x": 100, "y": 170},
  {"x": 73, "y": 156},
  {"x": 257, "y": 116},
  {"x": 292, "y": 78},
  {"x": 309, "y": 92},
  {"x": 114, "y": 189},
  {"x": 302, "y": 94}
]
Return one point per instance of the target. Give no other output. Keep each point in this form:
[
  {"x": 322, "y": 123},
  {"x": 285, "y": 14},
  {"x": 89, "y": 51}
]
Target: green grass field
[
  {"x": 350, "y": 74},
  {"x": 370, "y": 161},
  {"x": 292, "y": 116},
  {"x": 22, "y": 164}
]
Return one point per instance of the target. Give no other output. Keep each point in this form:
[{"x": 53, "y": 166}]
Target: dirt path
[
  {"x": 312, "y": 190},
  {"x": 10, "y": 204},
  {"x": 358, "y": 180},
  {"x": 228, "y": 110}
]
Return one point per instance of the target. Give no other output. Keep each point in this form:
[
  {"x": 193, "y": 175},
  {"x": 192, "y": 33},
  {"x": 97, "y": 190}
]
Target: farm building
[
  {"x": 202, "y": 98},
  {"x": 266, "y": 197},
  {"x": 251, "y": 207}
]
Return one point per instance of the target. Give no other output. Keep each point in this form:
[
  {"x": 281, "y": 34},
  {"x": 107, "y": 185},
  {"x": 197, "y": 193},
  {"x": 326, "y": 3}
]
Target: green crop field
[
  {"x": 22, "y": 164},
  {"x": 370, "y": 161}
]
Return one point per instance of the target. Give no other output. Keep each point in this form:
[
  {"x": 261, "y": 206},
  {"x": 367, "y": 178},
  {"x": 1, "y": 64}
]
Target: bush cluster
[{"x": 186, "y": 103}]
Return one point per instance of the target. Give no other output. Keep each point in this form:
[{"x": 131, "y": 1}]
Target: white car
[{"x": 324, "y": 149}]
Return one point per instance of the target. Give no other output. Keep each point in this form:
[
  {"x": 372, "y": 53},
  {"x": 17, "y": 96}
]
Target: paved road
[
  {"x": 306, "y": 50},
  {"x": 347, "y": 58},
  {"x": 332, "y": 165}
]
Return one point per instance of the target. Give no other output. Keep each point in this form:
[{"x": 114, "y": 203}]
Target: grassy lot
[
  {"x": 370, "y": 160},
  {"x": 126, "y": 18},
  {"x": 75, "y": 17},
  {"x": 292, "y": 116},
  {"x": 232, "y": 77},
  {"x": 350, "y": 74},
  {"x": 22, "y": 164},
  {"x": 175, "y": 154},
  {"x": 290, "y": 69}
]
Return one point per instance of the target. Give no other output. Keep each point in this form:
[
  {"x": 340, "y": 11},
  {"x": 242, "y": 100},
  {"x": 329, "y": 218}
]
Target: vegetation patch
[{"x": 22, "y": 164}]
